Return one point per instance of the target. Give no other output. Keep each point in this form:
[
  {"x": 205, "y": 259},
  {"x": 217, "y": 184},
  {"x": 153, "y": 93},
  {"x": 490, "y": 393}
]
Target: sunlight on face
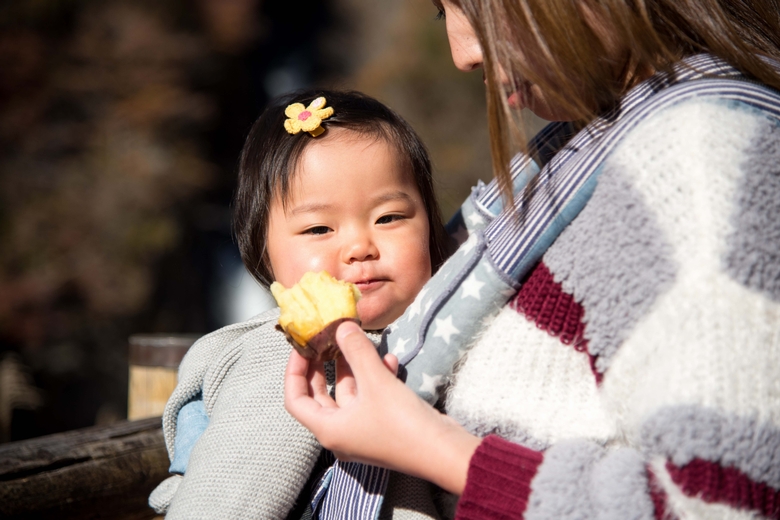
[{"x": 355, "y": 212}]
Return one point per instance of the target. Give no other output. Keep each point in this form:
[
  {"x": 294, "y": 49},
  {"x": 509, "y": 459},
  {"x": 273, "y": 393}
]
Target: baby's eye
[
  {"x": 387, "y": 219},
  {"x": 317, "y": 230}
]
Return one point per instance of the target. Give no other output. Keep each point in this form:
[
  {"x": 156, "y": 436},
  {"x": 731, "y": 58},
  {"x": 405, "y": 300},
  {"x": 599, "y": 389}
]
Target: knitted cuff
[{"x": 499, "y": 480}]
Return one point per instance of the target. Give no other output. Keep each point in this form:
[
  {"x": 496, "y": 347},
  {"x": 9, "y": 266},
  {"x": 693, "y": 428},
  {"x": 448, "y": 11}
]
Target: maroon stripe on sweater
[
  {"x": 499, "y": 481},
  {"x": 542, "y": 300},
  {"x": 714, "y": 483}
]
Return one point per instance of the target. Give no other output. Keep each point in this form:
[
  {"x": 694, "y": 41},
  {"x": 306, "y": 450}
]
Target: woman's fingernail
[{"x": 345, "y": 329}]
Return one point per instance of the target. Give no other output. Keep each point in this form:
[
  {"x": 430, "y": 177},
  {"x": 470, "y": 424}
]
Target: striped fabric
[{"x": 350, "y": 490}]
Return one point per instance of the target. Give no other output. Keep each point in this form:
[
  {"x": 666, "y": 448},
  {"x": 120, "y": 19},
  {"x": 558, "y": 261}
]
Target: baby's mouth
[{"x": 369, "y": 284}]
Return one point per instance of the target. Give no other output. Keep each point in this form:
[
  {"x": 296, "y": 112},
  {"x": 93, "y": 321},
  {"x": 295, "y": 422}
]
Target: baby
[{"x": 329, "y": 181}]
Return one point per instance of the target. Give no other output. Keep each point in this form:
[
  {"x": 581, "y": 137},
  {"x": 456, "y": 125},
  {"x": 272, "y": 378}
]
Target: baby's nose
[{"x": 361, "y": 248}]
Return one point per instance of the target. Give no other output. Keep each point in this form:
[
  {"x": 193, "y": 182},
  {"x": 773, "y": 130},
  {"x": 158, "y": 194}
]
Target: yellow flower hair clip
[{"x": 309, "y": 119}]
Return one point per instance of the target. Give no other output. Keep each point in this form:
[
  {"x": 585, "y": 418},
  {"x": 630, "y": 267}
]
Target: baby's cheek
[
  {"x": 370, "y": 311},
  {"x": 315, "y": 267},
  {"x": 364, "y": 309},
  {"x": 292, "y": 269},
  {"x": 315, "y": 264}
]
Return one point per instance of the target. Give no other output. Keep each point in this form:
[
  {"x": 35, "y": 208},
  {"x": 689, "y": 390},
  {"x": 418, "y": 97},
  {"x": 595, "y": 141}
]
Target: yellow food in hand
[{"x": 312, "y": 309}]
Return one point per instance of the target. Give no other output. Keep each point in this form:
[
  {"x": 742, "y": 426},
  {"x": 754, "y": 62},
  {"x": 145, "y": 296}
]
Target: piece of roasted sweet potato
[{"x": 312, "y": 310}]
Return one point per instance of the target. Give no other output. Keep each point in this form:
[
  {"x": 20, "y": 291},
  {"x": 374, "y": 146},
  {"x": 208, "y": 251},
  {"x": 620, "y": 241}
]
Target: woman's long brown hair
[{"x": 593, "y": 51}]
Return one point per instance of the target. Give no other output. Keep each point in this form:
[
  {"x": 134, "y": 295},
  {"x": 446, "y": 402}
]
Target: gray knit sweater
[{"x": 254, "y": 459}]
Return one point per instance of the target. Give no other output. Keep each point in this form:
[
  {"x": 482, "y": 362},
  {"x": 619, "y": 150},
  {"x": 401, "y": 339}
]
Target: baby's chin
[{"x": 375, "y": 316}]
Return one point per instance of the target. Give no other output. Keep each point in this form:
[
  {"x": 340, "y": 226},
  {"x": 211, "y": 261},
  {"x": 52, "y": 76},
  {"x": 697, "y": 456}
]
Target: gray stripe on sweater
[
  {"x": 615, "y": 261},
  {"x": 687, "y": 432},
  {"x": 560, "y": 488},
  {"x": 620, "y": 489},
  {"x": 753, "y": 256},
  {"x": 579, "y": 479},
  {"x": 509, "y": 430}
]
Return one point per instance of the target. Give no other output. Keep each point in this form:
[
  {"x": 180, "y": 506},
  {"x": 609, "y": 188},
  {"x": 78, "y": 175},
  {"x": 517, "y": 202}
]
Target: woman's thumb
[{"x": 359, "y": 352}]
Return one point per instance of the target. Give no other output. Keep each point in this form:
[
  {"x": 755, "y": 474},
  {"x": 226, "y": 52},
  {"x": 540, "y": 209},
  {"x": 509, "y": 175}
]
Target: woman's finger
[
  {"x": 360, "y": 354},
  {"x": 346, "y": 388},
  {"x": 391, "y": 362},
  {"x": 296, "y": 374},
  {"x": 297, "y": 400},
  {"x": 318, "y": 384}
]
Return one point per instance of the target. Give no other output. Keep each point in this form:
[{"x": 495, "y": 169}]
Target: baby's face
[{"x": 356, "y": 213}]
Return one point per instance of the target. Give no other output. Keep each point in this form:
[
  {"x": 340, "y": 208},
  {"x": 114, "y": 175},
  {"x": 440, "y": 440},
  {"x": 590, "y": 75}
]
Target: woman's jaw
[
  {"x": 518, "y": 94},
  {"x": 524, "y": 94}
]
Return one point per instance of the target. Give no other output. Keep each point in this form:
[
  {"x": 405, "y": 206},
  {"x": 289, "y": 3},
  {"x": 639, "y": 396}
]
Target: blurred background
[{"x": 120, "y": 127}]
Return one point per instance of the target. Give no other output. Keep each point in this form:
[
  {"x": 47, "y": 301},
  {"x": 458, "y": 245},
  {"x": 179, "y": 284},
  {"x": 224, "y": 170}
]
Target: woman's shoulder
[
  {"x": 698, "y": 180},
  {"x": 722, "y": 122},
  {"x": 706, "y": 113}
]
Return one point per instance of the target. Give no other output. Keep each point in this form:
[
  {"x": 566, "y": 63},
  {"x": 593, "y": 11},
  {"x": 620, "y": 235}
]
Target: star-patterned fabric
[{"x": 447, "y": 313}]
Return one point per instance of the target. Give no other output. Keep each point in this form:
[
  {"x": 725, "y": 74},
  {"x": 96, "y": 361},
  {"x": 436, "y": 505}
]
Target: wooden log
[
  {"x": 91, "y": 473},
  {"x": 148, "y": 391},
  {"x": 154, "y": 361}
]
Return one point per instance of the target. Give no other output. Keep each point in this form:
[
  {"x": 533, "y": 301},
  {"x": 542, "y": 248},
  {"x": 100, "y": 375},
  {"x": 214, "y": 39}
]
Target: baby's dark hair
[{"x": 270, "y": 157}]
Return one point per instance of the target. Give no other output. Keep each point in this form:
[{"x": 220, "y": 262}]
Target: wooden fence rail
[{"x": 92, "y": 473}]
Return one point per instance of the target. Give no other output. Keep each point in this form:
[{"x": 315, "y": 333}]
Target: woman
[{"x": 631, "y": 371}]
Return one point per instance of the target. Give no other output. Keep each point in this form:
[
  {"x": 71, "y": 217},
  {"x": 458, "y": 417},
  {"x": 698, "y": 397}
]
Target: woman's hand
[{"x": 375, "y": 418}]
